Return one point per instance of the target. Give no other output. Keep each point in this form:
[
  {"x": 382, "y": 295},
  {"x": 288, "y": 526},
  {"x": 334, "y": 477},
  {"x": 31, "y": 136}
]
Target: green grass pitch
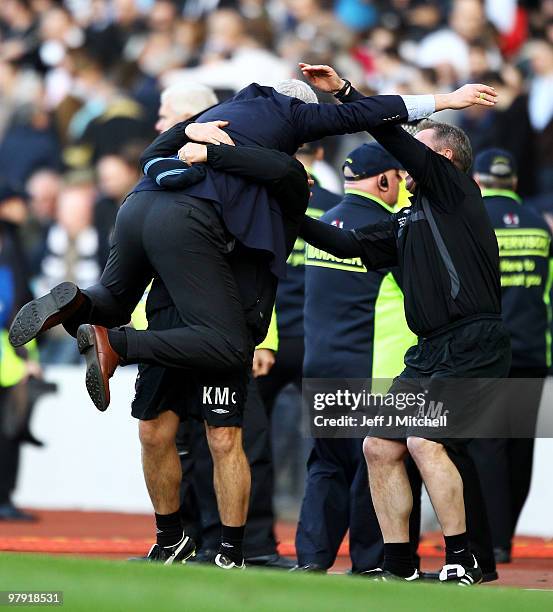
[{"x": 121, "y": 586}]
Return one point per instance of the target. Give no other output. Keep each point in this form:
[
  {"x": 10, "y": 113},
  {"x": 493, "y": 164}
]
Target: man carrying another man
[{"x": 185, "y": 238}]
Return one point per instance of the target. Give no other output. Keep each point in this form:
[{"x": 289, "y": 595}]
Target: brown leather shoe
[
  {"x": 45, "y": 312},
  {"x": 101, "y": 362}
]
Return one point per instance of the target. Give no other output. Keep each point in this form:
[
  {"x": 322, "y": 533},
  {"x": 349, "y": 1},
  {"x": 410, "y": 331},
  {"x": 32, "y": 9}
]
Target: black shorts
[
  {"x": 218, "y": 400},
  {"x": 455, "y": 373}
]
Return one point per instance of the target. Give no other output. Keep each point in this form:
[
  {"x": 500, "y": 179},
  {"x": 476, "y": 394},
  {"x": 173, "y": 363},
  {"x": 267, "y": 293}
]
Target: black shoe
[
  {"x": 227, "y": 563},
  {"x": 274, "y": 561},
  {"x": 463, "y": 576},
  {"x": 380, "y": 575},
  {"x": 8, "y": 512},
  {"x": 309, "y": 567},
  {"x": 180, "y": 553},
  {"x": 486, "y": 576},
  {"x": 204, "y": 555},
  {"x": 45, "y": 312},
  {"x": 502, "y": 555}
]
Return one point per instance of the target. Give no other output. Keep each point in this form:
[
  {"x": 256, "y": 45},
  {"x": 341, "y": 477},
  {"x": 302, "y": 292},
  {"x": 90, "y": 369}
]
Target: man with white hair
[
  {"x": 188, "y": 238},
  {"x": 181, "y": 101}
]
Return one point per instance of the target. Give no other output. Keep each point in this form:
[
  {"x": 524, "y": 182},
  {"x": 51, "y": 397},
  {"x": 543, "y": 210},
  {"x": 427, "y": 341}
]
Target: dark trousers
[
  {"x": 9, "y": 453},
  {"x": 287, "y": 370},
  {"x": 505, "y": 464},
  {"x": 199, "y": 504},
  {"x": 181, "y": 240},
  {"x": 337, "y": 497}
]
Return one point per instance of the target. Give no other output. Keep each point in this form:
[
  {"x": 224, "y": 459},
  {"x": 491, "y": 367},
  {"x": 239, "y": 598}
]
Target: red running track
[{"x": 117, "y": 535}]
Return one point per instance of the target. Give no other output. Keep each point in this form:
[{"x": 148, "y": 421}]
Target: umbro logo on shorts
[{"x": 219, "y": 410}]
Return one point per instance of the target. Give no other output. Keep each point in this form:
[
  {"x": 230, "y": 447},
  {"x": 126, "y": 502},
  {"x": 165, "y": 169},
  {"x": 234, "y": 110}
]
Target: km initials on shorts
[{"x": 220, "y": 397}]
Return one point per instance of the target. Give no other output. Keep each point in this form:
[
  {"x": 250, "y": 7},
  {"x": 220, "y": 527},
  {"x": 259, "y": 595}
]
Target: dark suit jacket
[{"x": 261, "y": 116}]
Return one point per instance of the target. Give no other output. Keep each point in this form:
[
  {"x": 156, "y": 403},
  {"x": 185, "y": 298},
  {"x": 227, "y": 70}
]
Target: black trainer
[
  {"x": 463, "y": 576},
  {"x": 380, "y": 575},
  {"x": 309, "y": 568},
  {"x": 45, "y": 312},
  {"x": 180, "y": 553},
  {"x": 227, "y": 563}
]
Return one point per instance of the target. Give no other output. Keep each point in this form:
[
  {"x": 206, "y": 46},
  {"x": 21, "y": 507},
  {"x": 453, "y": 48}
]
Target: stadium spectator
[
  {"x": 540, "y": 109},
  {"x": 232, "y": 59},
  {"x": 116, "y": 175},
  {"x": 508, "y": 127},
  {"x": 16, "y": 366},
  {"x": 448, "y": 50},
  {"x": 107, "y": 118},
  {"x": 71, "y": 252},
  {"x": 43, "y": 187},
  {"x": 29, "y": 143},
  {"x": 505, "y": 464}
]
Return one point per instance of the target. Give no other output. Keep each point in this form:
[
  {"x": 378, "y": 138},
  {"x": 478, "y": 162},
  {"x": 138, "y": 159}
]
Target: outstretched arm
[
  {"x": 314, "y": 121},
  {"x": 367, "y": 114},
  {"x": 425, "y": 166},
  {"x": 375, "y": 244}
]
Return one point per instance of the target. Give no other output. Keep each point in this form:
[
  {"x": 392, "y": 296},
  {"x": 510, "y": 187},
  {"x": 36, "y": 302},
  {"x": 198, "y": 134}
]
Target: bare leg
[
  {"x": 443, "y": 483},
  {"x": 390, "y": 488},
  {"x": 231, "y": 474},
  {"x": 160, "y": 461}
]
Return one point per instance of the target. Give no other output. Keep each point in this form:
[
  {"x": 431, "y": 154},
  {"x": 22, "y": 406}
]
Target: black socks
[
  {"x": 118, "y": 340},
  {"x": 398, "y": 559},
  {"x": 231, "y": 543},
  {"x": 169, "y": 529},
  {"x": 457, "y": 550}
]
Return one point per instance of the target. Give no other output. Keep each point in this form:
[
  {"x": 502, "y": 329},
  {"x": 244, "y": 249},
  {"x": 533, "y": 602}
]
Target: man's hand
[
  {"x": 263, "y": 361},
  {"x": 210, "y": 132},
  {"x": 193, "y": 153},
  {"x": 468, "y": 95},
  {"x": 322, "y": 77}
]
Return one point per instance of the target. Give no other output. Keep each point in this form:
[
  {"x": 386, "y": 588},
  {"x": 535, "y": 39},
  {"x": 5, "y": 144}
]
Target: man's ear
[{"x": 447, "y": 153}]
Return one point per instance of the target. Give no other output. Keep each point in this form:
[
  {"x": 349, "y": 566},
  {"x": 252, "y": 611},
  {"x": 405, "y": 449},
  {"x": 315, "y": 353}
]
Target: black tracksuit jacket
[{"x": 444, "y": 244}]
